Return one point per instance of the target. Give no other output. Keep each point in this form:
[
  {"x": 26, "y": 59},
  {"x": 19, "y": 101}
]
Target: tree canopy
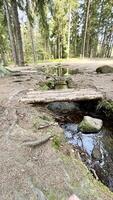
[{"x": 44, "y": 29}]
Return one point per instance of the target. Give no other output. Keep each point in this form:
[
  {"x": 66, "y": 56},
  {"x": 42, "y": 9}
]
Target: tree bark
[
  {"x": 86, "y": 26},
  {"x": 11, "y": 33},
  {"x": 28, "y": 4},
  {"x": 58, "y": 47},
  {"x": 32, "y": 43},
  {"x": 18, "y": 32},
  {"x": 69, "y": 32}
]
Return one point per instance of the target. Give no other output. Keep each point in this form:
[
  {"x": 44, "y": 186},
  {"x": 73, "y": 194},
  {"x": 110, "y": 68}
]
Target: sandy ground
[
  {"x": 89, "y": 77},
  {"x": 24, "y": 170}
]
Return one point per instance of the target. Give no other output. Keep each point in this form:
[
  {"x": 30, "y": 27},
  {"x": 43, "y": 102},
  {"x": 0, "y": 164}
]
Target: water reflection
[{"x": 99, "y": 150}]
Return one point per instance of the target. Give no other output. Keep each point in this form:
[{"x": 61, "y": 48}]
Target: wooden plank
[{"x": 61, "y": 95}]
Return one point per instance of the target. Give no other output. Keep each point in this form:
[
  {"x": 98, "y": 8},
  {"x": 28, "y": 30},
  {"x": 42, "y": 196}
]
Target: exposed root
[
  {"x": 94, "y": 173},
  {"x": 38, "y": 142}
]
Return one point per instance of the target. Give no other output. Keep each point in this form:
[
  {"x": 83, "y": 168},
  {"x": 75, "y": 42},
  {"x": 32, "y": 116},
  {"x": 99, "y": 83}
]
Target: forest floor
[{"x": 54, "y": 167}]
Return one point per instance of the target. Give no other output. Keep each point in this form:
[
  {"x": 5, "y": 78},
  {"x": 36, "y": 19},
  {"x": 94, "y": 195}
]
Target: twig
[{"x": 46, "y": 126}]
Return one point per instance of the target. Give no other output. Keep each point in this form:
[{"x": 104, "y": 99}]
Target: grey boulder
[{"x": 90, "y": 125}]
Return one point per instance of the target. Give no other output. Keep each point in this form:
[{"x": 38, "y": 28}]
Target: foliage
[
  {"x": 3, "y": 33},
  {"x": 58, "y": 29},
  {"x": 56, "y": 142},
  {"x": 106, "y": 106}
]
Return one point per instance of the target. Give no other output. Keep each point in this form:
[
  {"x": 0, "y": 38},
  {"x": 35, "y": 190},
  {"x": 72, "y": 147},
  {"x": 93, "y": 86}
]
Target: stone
[
  {"x": 73, "y": 197},
  {"x": 60, "y": 83},
  {"x": 90, "y": 125},
  {"x": 63, "y": 107},
  {"x": 96, "y": 153},
  {"x": 50, "y": 83},
  {"x": 71, "y": 83},
  {"x": 104, "y": 69}
]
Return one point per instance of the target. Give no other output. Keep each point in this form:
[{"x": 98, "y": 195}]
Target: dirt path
[{"x": 24, "y": 170}]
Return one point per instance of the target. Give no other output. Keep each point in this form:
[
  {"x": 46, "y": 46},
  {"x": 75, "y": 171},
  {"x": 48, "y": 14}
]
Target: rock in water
[
  {"x": 63, "y": 107},
  {"x": 96, "y": 153},
  {"x": 104, "y": 69},
  {"x": 90, "y": 125}
]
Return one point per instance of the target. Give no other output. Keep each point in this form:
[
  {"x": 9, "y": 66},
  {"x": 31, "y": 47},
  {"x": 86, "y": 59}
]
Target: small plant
[
  {"x": 106, "y": 106},
  {"x": 56, "y": 143},
  {"x": 45, "y": 118}
]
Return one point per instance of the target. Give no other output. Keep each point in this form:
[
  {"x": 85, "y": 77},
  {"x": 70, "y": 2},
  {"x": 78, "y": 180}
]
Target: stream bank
[{"x": 95, "y": 149}]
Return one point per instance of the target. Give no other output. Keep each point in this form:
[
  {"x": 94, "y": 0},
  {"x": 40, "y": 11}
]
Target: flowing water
[{"x": 96, "y": 150}]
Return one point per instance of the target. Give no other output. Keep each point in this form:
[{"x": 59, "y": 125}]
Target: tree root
[
  {"x": 94, "y": 173},
  {"x": 38, "y": 142}
]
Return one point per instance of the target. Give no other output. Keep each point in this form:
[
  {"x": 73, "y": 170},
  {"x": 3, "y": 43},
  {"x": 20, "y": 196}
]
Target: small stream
[{"x": 95, "y": 149}]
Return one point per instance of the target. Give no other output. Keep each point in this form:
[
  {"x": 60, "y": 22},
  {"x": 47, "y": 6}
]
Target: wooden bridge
[{"x": 61, "y": 95}]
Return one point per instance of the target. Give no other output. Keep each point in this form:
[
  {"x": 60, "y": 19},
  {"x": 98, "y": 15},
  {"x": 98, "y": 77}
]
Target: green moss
[
  {"x": 85, "y": 127},
  {"x": 41, "y": 120},
  {"x": 88, "y": 127},
  {"x": 56, "y": 142},
  {"x": 56, "y": 195},
  {"x": 106, "y": 106},
  {"x": 46, "y": 118},
  {"x": 82, "y": 183},
  {"x": 51, "y": 196}
]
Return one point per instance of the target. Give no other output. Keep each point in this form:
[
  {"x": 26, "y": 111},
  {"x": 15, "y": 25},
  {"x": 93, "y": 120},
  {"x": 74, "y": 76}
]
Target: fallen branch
[{"x": 46, "y": 126}]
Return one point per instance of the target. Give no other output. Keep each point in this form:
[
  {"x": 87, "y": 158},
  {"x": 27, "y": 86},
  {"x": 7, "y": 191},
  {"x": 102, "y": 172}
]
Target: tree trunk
[
  {"x": 3, "y": 58},
  {"x": 58, "y": 47},
  {"x": 32, "y": 43},
  {"x": 11, "y": 33},
  {"x": 69, "y": 32},
  {"x": 103, "y": 43},
  {"x": 86, "y": 26},
  {"x": 18, "y": 32},
  {"x": 28, "y": 4},
  {"x": 87, "y": 44}
]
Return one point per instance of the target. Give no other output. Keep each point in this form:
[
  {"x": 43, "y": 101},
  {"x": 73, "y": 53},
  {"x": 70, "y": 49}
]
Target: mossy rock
[
  {"x": 70, "y": 83},
  {"x": 96, "y": 153},
  {"x": 60, "y": 83},
  {"x": 90, "y": 125},
  {"x": 104, "y": 69}
]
